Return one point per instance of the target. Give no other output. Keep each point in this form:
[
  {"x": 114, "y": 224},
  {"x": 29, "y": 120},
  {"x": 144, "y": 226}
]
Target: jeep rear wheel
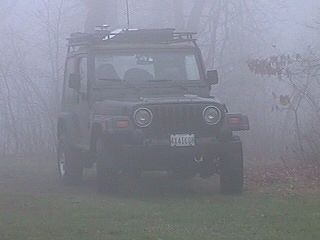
[
  {"x": 70, "y": 166},
  {"x": 231, "y": 170},
  {"x": 107, "y": 174}
]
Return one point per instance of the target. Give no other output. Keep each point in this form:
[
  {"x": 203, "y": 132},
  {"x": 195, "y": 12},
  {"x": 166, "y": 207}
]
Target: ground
[{"x": 34, "y": 205}]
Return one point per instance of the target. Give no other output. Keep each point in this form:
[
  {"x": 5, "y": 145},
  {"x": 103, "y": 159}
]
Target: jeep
[{"x": 139, "y": 100}]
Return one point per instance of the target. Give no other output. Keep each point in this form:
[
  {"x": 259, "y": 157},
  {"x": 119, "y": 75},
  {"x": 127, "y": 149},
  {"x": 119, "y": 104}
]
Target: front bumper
[{"x": 157, "y": 154}]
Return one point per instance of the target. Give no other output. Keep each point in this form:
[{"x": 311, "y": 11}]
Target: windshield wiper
[
  {"x": 160, "y": 80},
  {"x": 109, "y": 79}
]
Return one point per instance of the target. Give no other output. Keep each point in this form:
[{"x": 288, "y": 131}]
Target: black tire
[
  {"x": 70, "y": 164},
  {"x": 107, "y": 173},
  {"x": 231, "y": 170},
  {"x": 182, "y": 176}
]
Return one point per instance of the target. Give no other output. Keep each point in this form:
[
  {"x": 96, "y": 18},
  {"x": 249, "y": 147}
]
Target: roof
[{"x": 131, "y": 36}]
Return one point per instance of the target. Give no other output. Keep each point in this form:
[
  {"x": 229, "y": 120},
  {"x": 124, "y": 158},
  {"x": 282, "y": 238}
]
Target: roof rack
[{"x": 103, "y": 35}]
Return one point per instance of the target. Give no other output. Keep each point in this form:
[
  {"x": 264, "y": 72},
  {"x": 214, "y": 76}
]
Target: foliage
[{"x": 301, "y": 75}]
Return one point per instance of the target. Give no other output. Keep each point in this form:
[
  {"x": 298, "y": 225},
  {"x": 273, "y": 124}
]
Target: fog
[
  {"x": 127, "y": 119},
  {"x": 33, "y": 47},
  {"x": 33, "y": 40}
]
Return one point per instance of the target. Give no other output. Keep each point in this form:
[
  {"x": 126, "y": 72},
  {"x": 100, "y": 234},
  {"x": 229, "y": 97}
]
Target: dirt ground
[{"x": 38, "y": 175}]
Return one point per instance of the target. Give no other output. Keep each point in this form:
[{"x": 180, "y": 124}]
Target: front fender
[{"x": 106, "y": 126}]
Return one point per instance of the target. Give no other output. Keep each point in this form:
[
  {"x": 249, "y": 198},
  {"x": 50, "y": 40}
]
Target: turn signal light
[
  {"x": 122, "y": 124},
  {"x": 234, "y": 120},
  {"x": 237, "y": 122}
]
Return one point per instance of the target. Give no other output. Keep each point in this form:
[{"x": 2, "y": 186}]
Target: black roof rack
[{"x": 104, "y": 35}]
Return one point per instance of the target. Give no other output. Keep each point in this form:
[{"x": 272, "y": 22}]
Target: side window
[
  {"x": 83, "y": 70},
  {"x": 192, "y": 68}
]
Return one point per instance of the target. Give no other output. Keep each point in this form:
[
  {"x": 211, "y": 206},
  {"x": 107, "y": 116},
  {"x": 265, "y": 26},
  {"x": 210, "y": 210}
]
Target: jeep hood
[{"x": 125, "y": 106}]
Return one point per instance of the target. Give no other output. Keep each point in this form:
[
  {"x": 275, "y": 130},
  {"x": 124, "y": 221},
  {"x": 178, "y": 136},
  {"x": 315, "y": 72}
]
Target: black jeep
[{"x": 139, "y": 100}]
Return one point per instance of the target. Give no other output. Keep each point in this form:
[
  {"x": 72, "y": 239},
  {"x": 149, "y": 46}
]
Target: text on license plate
[{"x": 182, "y": 140}]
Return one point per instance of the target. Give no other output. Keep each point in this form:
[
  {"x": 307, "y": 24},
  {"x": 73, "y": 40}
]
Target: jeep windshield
[{"x": 147, "y": 66}]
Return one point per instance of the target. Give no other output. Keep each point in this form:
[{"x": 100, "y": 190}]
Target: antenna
[{"x": 128, "y": 14}]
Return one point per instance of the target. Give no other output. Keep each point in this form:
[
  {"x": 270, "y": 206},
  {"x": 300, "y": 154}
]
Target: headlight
[
  {"x": 143, "y": 117},
  {"x": 212, "y": 115}
]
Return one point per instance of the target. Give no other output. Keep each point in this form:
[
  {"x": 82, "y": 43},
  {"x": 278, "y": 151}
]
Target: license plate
[{"x": 183, "y": 140}]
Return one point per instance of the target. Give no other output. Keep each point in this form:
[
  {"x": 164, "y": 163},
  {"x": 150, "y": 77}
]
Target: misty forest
[{"x": 267, "y": 53}]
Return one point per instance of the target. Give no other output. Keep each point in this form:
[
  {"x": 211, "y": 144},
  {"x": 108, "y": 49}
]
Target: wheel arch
[{"x": 66, "y": 126}]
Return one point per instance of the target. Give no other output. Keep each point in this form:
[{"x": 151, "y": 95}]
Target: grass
[{"x": 34, "y": 206}]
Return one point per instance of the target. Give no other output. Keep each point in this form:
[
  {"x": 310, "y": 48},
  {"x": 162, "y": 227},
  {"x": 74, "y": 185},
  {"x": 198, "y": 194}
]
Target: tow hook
[{"x": 199, "y": 159}]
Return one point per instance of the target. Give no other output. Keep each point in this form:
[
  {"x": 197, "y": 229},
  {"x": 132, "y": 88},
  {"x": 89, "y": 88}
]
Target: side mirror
[
  {"x": 75, "y": 81},
  {"x": 213, "y": 77}
]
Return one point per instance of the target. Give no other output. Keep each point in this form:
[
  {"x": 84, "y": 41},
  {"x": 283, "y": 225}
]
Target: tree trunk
[
  {"x": 101, "y": 12},
  {"x": 178, "y": 6},
  {"x": 195, "y": 17}
]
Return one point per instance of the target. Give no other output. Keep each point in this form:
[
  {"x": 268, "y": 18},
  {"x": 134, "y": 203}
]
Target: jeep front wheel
[
  {"x": 231, "y": 169},
  {"x": 70, "y": 166},
  {"x": 107, "y": 174}
]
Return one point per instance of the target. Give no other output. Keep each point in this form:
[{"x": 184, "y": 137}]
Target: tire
[
  {"x": 182, "y": 176},
  {"x": 70, "y": 165},
  {"x": 107, "y": 178},
  {"x": 231, "y": 170}
]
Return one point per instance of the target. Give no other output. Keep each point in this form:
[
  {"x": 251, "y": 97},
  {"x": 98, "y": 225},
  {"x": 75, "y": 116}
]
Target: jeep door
[
  {"x": 75, "y": 104},
  {"x": 82, "y": 109}
]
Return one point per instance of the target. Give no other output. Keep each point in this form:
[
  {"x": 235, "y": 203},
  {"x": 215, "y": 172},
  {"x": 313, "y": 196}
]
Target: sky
[{"x": 293, "y": 33}]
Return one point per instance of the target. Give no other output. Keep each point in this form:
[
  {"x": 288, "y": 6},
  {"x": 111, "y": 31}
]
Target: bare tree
[{"x": 301, "y": 74}]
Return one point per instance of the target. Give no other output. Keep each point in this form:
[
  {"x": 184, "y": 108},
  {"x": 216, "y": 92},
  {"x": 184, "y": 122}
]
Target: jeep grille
[{"x": 179, "y": 118}]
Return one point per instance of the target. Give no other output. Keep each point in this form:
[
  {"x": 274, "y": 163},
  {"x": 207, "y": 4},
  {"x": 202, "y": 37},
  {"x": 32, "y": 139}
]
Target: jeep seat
[
  {"x": 107, "y": 71},
  {"x": 136, "y": 74}
]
